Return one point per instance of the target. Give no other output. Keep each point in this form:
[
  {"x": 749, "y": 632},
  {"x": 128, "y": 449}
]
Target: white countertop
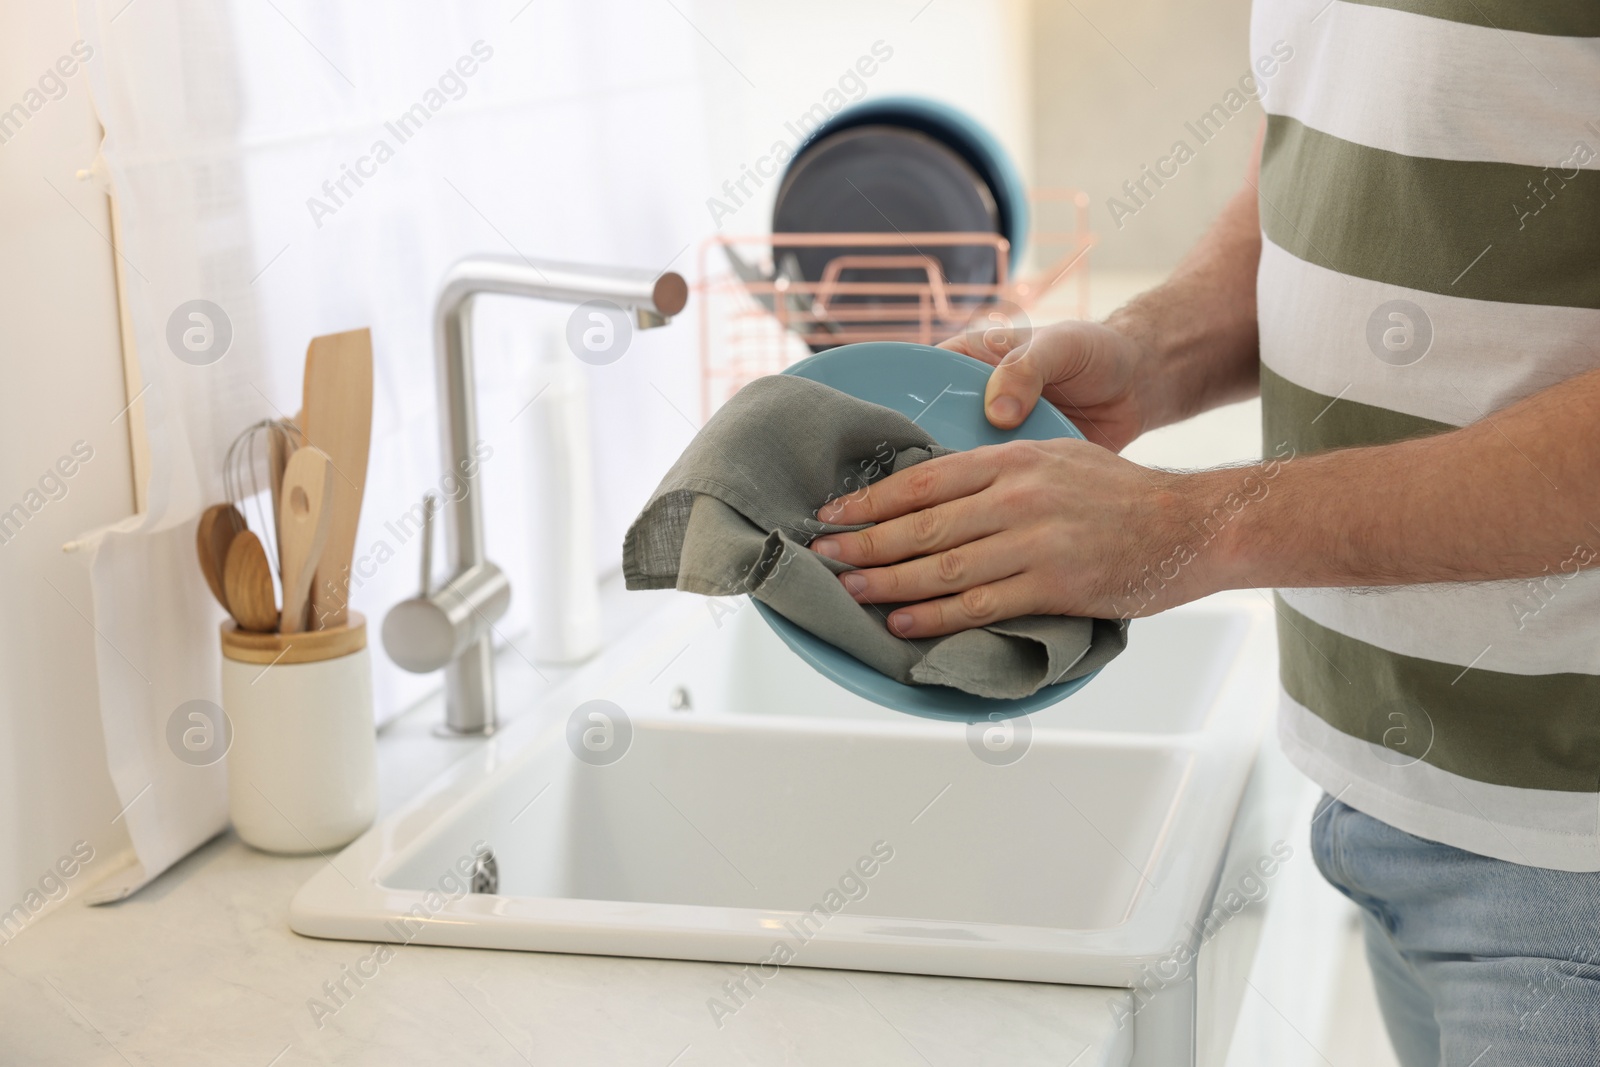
[{"x": 201, "y": 968}]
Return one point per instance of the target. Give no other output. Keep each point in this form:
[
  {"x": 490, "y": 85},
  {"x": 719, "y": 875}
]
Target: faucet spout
[{"x": 452, "y": 627}]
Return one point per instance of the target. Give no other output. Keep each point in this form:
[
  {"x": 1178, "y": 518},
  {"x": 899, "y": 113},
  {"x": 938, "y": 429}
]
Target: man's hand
[
  {"x": 1066, "y": 527},
  {"x": 1092, "y": 373},
  {"x": 1059, "y": 527}
]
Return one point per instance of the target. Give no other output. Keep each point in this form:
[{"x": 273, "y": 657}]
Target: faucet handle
[
  {"x": 425, "y": 633},
  {"x": 428, "y": 631}
]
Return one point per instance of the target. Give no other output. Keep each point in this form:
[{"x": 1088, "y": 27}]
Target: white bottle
[{"x": 565, "y": 598}]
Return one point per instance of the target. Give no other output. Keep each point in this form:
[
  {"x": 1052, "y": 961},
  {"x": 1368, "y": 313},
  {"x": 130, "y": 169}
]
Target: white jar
[{"x": 302, "y": 765}]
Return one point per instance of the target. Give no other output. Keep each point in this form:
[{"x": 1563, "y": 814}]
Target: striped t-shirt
[{"x": 1430, "y": 214}]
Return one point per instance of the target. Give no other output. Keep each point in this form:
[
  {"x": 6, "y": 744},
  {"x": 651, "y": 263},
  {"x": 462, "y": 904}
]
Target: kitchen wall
[
  {"x": 62, "y": 372},
  {"x": 1083, "y": 94},
  {"x": 763, "y": 65},
  {"x": 1114, "y": 86}
]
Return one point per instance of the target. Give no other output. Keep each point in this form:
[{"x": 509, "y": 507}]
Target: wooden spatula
[
  {"x": 247, "y": 579},
  {"x": 218, "y": 525},
  {"x": 336, "y": 417},
  {"x": 304, "y": 514}
]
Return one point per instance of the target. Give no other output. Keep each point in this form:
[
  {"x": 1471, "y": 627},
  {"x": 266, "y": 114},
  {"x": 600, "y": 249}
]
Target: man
[{"x": 1411, "y": 280}]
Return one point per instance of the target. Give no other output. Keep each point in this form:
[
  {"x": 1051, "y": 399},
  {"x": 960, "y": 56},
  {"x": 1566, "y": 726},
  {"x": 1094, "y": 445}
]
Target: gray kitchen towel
[{"x": 737, "y": 510}]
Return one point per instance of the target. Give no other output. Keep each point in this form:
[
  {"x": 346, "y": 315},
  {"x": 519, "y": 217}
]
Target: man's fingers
[
  {"x": 974, "y": 562},
  {"x": 1019, "y": 376},
  {"x": 978, "y": 606},
  {"x": 991, "y": 345},
  {"x": 943, "y": 526},
  {"x": 1014, "y": 387},
  {"x": 932, "y": 482},
  {"x": 958, "y": 343}
]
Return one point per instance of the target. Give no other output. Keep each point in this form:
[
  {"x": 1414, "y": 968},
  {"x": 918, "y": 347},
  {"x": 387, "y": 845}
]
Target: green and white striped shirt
[{"x": 1430, "y": 214}]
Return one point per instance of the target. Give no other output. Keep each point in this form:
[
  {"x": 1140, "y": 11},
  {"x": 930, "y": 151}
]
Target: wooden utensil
[
  {"x": 281, "y": 443},
  {"x": 305, "y": 511},
  {"x": 218, "y": 526},
  {"x": 247, "y": 579},
  {"x": 336, "y": 417}
]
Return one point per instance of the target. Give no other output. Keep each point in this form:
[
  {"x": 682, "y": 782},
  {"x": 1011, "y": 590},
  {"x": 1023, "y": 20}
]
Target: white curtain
[{"x": 560, "y": 128}]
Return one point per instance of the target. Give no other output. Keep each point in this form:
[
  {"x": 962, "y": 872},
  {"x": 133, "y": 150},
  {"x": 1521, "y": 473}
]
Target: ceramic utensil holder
[{"x": 302, "y": 766}]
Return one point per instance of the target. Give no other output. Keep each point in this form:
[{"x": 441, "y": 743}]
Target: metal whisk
[{"x": 253, "y": 468}]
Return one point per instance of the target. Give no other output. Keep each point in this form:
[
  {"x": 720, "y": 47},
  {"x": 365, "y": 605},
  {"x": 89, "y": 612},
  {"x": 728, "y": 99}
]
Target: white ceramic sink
[{"x": 726, "y": 824}]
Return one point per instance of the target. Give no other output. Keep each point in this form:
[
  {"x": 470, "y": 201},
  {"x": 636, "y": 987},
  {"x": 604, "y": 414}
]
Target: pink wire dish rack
[{"x": 750, "y": 328}]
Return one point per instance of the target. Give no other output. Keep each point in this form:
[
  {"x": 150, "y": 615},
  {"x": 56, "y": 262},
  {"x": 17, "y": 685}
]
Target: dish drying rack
[{"x": 761, "y": 322}]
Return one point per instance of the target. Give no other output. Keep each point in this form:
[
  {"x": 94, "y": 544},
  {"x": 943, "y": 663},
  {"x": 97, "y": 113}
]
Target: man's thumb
[{"x": 1014, "y": 388}]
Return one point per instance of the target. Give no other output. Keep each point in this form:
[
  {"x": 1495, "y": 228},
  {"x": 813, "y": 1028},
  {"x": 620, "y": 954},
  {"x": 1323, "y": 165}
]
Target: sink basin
[
  {"x": 739, "y": 807},
  {"x": 1166, "y": 683}
]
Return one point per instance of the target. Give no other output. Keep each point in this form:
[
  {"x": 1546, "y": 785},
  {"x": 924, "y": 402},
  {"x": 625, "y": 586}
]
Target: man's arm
[
  {"x": 1184, "y": 347},
  {"x": 1506, "y": 497},
  {"x": 1199, "y": 326},
  {"x": 1064, "y": 527}
]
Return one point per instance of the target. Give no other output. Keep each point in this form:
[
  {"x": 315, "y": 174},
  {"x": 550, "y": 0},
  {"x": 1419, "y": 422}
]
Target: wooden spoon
[
  {"x": 282, "y": 440},
  {"x": 219, "y": 524},
  {"x": 247, "y": 579},
  {"x": 303, "y": 521},
  {"x": 337, "y": 418}
]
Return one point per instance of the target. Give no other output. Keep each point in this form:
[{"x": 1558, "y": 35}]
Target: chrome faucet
[{"x": 452, "y": 626}]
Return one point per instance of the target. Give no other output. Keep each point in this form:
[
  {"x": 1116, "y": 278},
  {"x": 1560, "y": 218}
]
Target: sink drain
[
  {"x": 679, "y": 700},
  {"x": 486, "y": 874}
]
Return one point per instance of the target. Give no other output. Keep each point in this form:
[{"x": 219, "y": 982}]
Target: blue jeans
[{"x": 1477, "y": 962}]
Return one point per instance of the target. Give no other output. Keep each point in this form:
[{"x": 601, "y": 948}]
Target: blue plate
[
  {"x": 960, "y": 132},
  {"x": 942, "y": 392}
]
